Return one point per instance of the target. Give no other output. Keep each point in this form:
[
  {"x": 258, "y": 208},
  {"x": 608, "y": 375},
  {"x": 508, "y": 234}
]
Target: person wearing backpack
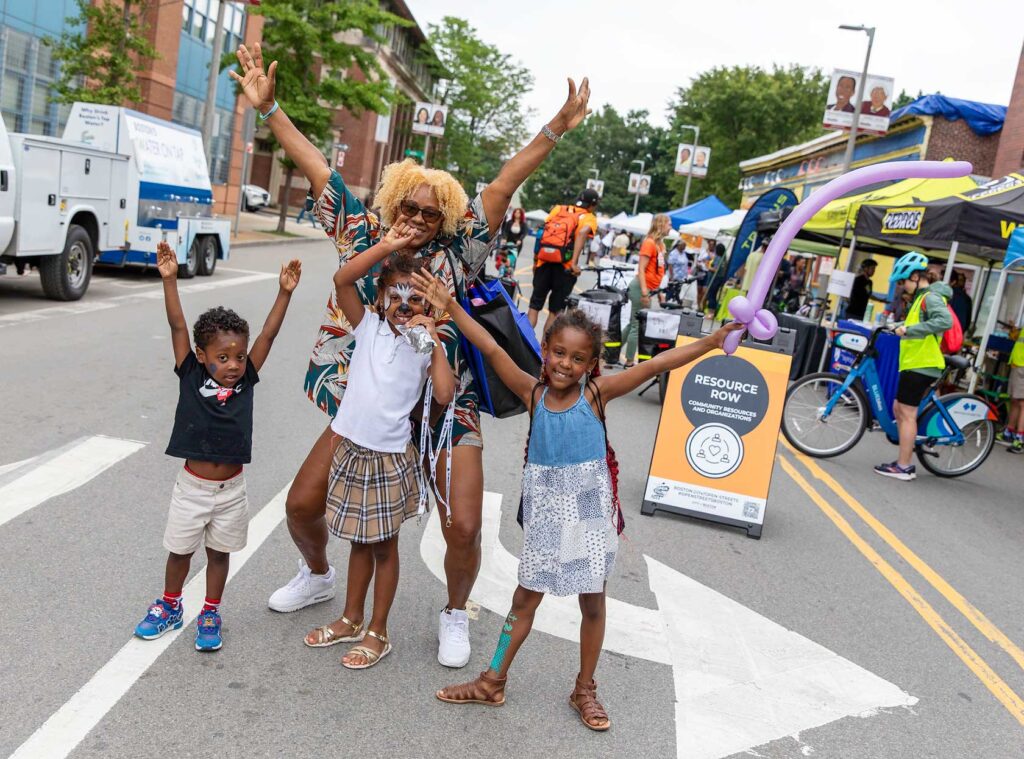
[
  {"x": 556, "y": 263},
  {"x": 921, "y": 359}
]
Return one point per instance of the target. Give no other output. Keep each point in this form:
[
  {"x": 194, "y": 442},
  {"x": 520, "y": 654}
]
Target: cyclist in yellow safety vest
[
  {"x": 1014, "y": 431},
  {"x": 921, "y": 360}
]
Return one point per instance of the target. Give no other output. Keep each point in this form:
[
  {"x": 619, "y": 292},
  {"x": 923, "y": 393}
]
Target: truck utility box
[{"x": 117, "y": 183}]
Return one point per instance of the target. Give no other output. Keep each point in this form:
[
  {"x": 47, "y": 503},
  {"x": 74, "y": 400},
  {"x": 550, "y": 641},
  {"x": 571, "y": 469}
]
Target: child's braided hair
[{"x": 574, "y": 318}]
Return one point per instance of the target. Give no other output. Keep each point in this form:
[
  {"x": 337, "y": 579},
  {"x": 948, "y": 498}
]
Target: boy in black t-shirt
[{"x": 213, "y": 433}]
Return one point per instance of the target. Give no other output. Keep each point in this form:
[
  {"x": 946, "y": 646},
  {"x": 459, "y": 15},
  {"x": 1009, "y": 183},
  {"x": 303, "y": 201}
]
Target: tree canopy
[
  {"x": 483, "y": 89},
  {"x": 100, "y": 53}
]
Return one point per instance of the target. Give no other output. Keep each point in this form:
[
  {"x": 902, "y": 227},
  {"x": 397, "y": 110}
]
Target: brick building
[
  {"x": 173, "y": 85},
  {"x": 1010, "y": 155},
  {"x": 919, "y": 132},
  {"x": 362, "y": 145}
]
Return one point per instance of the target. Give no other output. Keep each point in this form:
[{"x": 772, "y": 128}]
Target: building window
[
  {"x": 27, "y": 73},
  {"x": 188, "y": 111}
]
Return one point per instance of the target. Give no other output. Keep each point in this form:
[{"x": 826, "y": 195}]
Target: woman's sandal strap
[
  {"x": 355, "y": 627},
  {"x": 382, "y": 638},
  {"x": 371, "y": 656}
]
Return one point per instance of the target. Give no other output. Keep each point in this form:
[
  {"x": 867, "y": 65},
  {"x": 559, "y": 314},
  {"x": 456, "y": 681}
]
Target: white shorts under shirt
[{"x": 385, "y": 382}]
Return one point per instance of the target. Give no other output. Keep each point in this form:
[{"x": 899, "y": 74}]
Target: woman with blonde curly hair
[{"x": 452, "y": 233}]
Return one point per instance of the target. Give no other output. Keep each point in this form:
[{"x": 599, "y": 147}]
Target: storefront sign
[{"x": 715, "y": 449}]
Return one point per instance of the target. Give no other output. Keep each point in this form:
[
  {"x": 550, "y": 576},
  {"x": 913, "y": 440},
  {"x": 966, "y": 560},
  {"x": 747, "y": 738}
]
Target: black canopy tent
[{"x": 978, "y": 222}]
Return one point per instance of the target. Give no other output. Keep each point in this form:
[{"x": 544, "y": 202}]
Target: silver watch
[{"x": 546, "y": 131}]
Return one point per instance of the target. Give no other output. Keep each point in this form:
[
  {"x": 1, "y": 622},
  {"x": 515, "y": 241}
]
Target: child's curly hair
[
  {"x": 216, "y": 320},
  {"x": 399, "y": 180}
]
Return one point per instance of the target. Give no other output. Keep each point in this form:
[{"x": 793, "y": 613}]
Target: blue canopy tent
[{"x": 708, "y": 208}]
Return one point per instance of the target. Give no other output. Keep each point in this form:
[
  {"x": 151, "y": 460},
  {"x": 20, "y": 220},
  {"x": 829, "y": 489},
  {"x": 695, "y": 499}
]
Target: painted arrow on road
[{"x": 741, "y": 680}]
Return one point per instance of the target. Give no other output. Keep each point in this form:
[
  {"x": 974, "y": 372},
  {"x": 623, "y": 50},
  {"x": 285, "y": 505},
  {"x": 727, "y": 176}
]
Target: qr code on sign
[{"x": 751, "y": 510}]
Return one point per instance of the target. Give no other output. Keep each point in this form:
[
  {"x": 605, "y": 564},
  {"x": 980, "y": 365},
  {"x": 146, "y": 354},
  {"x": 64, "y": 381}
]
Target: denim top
[{"x": 563, "y": 438}]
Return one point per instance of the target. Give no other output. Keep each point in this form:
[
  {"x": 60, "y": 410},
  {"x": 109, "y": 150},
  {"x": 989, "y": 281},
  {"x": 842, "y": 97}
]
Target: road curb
[{"x": 278, "y": 241}]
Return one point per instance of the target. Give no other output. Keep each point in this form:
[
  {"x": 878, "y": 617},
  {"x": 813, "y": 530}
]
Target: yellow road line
[
  {"x": 982, "y": 623},
  {"x": 1006, "y": 696}
]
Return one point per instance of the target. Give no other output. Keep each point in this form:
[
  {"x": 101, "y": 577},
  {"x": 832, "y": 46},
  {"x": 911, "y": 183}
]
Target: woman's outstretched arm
[
  {"x": 497, "y": 195},
  {"x": 258, "y": 86}
]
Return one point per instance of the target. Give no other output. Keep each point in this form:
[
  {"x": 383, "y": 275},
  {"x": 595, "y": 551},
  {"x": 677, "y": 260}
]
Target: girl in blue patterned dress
[{"x": 570, "y": 513}]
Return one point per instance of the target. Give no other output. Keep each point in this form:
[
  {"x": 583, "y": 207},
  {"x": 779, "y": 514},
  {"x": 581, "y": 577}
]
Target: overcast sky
[{"x": 638, "y": 52}]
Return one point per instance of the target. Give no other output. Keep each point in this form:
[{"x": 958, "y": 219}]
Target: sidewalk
[{"x": 259, "y": 229}]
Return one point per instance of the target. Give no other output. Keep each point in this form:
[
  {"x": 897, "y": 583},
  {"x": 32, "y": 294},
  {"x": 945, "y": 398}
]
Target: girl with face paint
[{"x": 377, "y": 480}]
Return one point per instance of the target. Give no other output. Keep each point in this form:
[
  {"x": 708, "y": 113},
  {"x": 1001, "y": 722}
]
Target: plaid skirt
[{"x": 370, "y": 493}]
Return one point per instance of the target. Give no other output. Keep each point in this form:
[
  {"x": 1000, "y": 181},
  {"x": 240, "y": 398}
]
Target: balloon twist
[{"x": 761, "y": 323}]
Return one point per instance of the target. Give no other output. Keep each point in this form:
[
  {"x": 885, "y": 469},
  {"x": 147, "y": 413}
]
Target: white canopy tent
[
  {"x": 537, "y": 215},
  {"x": 711, "y": 228},
  {"x": 1013, "y": 264}
]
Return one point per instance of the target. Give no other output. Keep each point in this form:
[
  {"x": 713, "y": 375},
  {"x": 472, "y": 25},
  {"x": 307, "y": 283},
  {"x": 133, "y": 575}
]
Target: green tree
[
  {"x": 321, "y": 72},
  {"x": 99, "y": 55},
  {"x": 483, "y": 89},
  {"x": 905, "y": 98},
  {"x": 743, "y": 112},
  {"x": 609, "y": 142}
]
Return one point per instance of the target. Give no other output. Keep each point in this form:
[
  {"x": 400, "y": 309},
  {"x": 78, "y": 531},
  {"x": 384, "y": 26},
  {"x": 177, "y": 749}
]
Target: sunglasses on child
[{"x": 410, "y": 209}]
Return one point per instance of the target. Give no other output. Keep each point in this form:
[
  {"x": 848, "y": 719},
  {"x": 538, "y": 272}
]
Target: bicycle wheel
[
  {"x": 979, "y": 431},
  {"x": 806, "y": 429}
]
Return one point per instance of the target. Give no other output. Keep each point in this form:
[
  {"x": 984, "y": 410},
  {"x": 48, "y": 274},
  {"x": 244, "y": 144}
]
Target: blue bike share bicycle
[{"x": 826, "y": 414}]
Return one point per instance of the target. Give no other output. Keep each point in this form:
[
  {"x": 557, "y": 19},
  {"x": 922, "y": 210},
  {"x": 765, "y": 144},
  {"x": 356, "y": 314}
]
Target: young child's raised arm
[
  {"x": 288, "y": 280},
  {"x": 519, "y": 382},
  {"x": 357, "y": 267},
  {"x": 167, "y": 265},
  {"x": 615, "y": 385},
  {"x": 440, "y": 371}
]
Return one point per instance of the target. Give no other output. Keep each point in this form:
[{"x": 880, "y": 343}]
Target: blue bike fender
[{"x": 963, "y": 408}]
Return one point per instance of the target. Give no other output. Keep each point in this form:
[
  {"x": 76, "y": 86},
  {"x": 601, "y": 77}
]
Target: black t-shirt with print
[{"x": 212, "y": 423}]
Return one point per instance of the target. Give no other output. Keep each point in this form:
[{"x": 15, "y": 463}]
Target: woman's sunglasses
[{"x": 410, "y": 209}]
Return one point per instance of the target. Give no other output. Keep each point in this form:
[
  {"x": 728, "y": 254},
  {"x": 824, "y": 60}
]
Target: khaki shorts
[
  {"x": 217, "y": 511},
  {"x": 1017, "y": 382}
]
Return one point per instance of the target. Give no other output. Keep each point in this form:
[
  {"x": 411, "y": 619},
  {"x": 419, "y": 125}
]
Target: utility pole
[
  {"x": 636, "y": 196},
  {"x": 852, "y": 141},
  {"x": 689, "y": 173},
  {"x": 210, "y": 107}
]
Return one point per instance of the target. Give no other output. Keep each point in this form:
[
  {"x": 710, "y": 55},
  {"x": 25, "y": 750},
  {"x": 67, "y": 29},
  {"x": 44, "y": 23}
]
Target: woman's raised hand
[
  {"x": 433, "y": 289},
  {"x": 575, "y": 108},
  {"x": 399, "y": 237},
  {"x": 257, "y": 85}
]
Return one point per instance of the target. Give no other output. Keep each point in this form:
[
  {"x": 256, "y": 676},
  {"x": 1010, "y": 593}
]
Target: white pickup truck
[{"x": 117, "y": 183}]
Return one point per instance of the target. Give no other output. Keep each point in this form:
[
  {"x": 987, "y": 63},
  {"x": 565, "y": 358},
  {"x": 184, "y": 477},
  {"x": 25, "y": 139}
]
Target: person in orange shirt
[{"x": 648, "y": 278}]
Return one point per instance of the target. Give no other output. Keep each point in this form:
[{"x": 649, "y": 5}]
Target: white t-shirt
[{"x": 385, "y": 382}]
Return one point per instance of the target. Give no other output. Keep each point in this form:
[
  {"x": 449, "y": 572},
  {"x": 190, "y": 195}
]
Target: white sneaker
[
  {"x": 305, "y": 589},
  {"x": 453, "y": 638}
]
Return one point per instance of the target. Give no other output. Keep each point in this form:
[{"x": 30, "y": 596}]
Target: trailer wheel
[
  {"x": 191, "y": 265},
  {"x": 207, "y": 255},
  {"x": 66, "y": 276}
]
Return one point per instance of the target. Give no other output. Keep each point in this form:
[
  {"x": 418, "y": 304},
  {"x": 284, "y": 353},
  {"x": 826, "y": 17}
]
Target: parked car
[{"x": 254, "y": 198}]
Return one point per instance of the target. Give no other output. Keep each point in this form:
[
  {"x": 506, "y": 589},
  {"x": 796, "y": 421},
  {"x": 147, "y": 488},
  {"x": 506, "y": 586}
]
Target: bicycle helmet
[{"x": 907, "y": 264}]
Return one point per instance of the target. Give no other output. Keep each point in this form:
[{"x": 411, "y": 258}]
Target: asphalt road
[{"x": 913, "y": 590}]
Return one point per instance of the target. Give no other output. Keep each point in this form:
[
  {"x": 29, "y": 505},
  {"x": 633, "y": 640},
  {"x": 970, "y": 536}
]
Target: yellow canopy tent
[{"x": 832, "y": 219}]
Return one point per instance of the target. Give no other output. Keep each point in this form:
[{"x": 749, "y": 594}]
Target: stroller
[{"x": 505, "y": 256}]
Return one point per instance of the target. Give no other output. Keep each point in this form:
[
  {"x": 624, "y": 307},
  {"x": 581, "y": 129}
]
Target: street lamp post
[
  {"x": 851, "y": 142},
  {"x": 210, "y": 108},
  {"x": 689, "y": 174},
  {"x": 636, "y": 196}
]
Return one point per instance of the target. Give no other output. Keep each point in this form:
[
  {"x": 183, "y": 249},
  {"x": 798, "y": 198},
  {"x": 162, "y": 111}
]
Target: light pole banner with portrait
[
  {"x": 693, "y": 160},
  {"x": 597, "y": 185},
  {"x": 429, "y": 118},
  {"x": 639, "y": 184},
  {"x": 875, "y": 107}
]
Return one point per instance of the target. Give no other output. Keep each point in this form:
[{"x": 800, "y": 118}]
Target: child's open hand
[
  {"x": 433, "y": 289},
  {"x": 399, "y": 237},
  {"x": 718, "y": 336},
  {"x": 290, "y": 274},
  {"x": 166, "y": 261},
  {"x": 427, "y": 323}
]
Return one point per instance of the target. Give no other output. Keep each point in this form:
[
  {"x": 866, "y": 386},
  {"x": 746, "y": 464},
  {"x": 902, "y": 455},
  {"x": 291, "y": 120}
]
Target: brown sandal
[
  {"x": 584, "y": 700},
  {"x": 492, "y": 687}
]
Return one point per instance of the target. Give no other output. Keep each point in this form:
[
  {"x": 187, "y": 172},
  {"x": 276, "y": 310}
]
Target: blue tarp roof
[
  {"x": 982, "y": 118},
  {"x": 708, "y": 208}
]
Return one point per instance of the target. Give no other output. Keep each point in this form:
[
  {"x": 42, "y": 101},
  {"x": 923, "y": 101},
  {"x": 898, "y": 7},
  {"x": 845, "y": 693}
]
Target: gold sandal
[
  {"x": 371, "y": 656},
  {"x": 326, "y": 637}
]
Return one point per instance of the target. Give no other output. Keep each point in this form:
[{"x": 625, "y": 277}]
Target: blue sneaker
[
  {"x": 896, "y": 471},
  {"x": 161, "y": 618},
  {"x": 208, "y": 632}
]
